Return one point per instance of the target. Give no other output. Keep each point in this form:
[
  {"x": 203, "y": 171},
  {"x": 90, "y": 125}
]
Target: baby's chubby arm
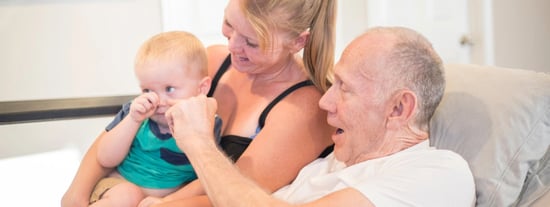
[{"x": 115, "y": 143}]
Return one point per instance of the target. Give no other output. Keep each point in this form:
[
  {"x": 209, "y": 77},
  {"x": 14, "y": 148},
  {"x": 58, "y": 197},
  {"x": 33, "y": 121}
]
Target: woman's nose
[{"x": 234, "y": 43}]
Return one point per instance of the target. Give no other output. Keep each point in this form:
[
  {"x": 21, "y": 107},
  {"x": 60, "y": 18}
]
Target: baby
[{"x": 169, "y": 66}]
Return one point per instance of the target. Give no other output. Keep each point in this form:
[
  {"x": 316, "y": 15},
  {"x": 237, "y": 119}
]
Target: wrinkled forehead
[{"x": 364, "y": 57}]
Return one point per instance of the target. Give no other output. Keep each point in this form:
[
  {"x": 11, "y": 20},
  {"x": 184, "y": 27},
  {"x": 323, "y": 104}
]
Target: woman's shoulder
[
  {"x": 305, "y": 97},
  {"x": 306, "y": 92}
]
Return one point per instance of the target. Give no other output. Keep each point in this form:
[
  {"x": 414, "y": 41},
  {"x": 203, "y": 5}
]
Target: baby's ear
[{"x": 204, "y": 85}]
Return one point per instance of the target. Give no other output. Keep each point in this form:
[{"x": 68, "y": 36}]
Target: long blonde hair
[{"x": 294, "y": 17}]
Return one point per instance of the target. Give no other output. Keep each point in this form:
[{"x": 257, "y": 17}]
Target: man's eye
[
  {"x": 344, "y": 88},
  {"x": 170, "y": 89}
]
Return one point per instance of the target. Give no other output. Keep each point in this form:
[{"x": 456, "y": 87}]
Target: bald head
[{"x": 402, "y": 58}]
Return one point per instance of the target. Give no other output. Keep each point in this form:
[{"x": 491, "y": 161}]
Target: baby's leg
[{"x": 123, "y": 194}]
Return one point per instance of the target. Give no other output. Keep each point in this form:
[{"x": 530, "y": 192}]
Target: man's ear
[
  {"x": 402, "y": 107},
  {"x": 204, "y": 85},
  {"x": 300, "y": 42}
]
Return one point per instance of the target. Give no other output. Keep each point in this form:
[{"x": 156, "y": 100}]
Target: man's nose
[{"x": 326, "y": 101}]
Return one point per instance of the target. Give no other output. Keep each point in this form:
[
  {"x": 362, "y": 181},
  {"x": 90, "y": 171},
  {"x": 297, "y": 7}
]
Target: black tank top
[{"x": 234, "y": 145}]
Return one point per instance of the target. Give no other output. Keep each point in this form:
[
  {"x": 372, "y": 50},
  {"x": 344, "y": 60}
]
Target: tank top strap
[
  {"x": 285, "y": 93},
  {"x": 223, "y": 68}
]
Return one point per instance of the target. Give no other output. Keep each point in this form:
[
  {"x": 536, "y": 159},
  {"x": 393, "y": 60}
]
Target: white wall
[
  {"x": 203, "y": 18},
  {"x": 72, "y": 48},
  {"x": 522, "y": 34},
  {"x": 83, "y": 48},
  {"x": 504, "y": 33},
  {"x": 351, "y": 21},
  {"x": 443, "y": 22},
  {"x": 62, "y": 49}
]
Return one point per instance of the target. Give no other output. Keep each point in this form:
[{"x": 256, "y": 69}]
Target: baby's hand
[{"x": 144, "y": 106}]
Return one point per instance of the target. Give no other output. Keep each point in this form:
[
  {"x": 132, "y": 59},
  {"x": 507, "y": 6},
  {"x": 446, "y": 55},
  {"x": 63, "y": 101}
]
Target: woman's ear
[
  {"x": 300, "y": 42},
  {"x": 204, "y": 85},
  {"x": 402, "y": 108}
]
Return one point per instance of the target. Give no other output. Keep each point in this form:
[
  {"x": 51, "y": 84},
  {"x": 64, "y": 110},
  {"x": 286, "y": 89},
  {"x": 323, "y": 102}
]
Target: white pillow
[{"x": 498, "y": 119}]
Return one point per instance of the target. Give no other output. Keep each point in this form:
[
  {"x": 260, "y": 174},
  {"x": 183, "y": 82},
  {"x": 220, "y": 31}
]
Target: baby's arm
[{"x": 115, "y": 144}]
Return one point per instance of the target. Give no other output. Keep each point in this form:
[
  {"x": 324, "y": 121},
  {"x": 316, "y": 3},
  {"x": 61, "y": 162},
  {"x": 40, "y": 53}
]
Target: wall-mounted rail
[{"x": 12, "y": 112}]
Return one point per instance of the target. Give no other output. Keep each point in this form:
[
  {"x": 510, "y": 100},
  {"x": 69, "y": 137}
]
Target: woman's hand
[
  {"x": 72, "y": 198},
  {"x": 191, "y": 121},
  {"x": 144, "y": 106},
  {"x": 149, "y": 201}
]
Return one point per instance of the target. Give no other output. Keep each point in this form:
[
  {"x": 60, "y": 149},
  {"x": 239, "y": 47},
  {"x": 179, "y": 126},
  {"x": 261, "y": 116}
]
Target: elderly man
[{"x": 386, "y": 87}]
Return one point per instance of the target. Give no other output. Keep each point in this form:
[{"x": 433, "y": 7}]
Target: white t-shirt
[{"x": 418, "y": 176}]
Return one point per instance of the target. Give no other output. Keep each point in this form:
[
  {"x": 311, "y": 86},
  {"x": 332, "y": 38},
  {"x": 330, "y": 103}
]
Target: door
[{"x": 443, "y": 22}]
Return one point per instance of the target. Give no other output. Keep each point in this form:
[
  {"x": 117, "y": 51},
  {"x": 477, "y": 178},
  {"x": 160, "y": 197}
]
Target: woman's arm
[
  {"x": 191, "y": 189},
  {"x": 295, "y": 134},
  {"x": 195, "y": 201},
  {"x": 91, "y": 170},
  {"x": 88, "y": 174}
]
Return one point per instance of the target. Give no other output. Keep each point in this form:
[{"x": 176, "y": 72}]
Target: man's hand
[
  {"x": 144, "y": 106},
  {"x": 191, "y": 120}
]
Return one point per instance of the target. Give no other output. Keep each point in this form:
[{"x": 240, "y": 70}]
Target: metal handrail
[{"x": 13, "y": 112}]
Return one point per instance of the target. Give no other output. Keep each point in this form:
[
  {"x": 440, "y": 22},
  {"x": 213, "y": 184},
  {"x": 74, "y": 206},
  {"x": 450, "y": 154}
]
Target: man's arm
[
  {"x": 191, "y": 121},
  {"x": 226, "y": 186},
  {"x": 229, "y": 188}
]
